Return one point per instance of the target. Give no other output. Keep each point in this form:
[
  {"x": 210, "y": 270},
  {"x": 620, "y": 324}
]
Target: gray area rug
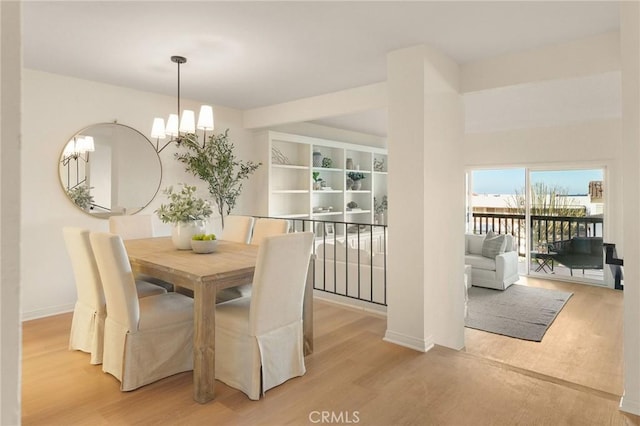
[{"x": 519, "y": 311}]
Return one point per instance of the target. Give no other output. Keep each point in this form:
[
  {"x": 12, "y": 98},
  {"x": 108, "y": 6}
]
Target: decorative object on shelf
[
  {"x": 349, "y": 164},
  {"x": 204, "y": 243},
  {"x": 356, "y": 177},
  {"x": 186, "y": 212},
  {"x": 349, "y": 184},
  {"x": 277, "y": 157},
  {"x": 379, "y": 208},
  {"x": 321, "y": 209},
  {"x": 317, "y": 159},
  {"x": 317, "y": 181},
  {"x": 378, "y": 164},
  {"x": 329, "y": 229},
  {"x": 352, "y": 206},
  {"x": 327, "y": 162},
  {"x": 187, "y": 126},
  {"x": 216, "y": 163}
]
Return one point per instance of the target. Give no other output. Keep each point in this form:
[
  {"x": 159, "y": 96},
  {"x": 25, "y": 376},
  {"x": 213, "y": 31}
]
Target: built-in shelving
[{"x": 294, "y": 162}]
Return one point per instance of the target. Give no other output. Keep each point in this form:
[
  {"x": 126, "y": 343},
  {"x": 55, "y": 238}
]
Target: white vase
[{"x": 183, "y": 231}]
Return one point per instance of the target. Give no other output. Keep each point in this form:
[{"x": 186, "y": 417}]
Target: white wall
[
  {"x": 630, "y": 47},
  {"x": 324, "y": 132},
  {"x": 55, "y": 108},
  {"x": 10, "y": 333}
]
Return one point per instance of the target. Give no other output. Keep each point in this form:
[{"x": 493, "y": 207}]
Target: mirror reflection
[{"x": 110, "y": 169}]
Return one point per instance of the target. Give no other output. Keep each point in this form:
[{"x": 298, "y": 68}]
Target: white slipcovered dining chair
[
  {"x": 259, "y": 339},
  {"x": 147, "y": 339},
  {"x": 237, "y": 229},
  {"x": 87, "y": 325},
  {"x": 266, "y": 227},
  {"x": 262, "y": 228},
  {"x": 134, "y": 227}
]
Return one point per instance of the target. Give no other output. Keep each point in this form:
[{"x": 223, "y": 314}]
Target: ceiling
[{"x": 251, "y": 54}]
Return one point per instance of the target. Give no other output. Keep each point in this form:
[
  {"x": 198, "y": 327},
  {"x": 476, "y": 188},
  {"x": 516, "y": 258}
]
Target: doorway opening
[{"x": 556, "y": 217}]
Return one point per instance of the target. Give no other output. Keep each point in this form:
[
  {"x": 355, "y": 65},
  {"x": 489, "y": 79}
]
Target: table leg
[
  {"x": 204, "y": 360},
  {"x": 307, "y": 311},
  {"x": 544, "y": 265}
]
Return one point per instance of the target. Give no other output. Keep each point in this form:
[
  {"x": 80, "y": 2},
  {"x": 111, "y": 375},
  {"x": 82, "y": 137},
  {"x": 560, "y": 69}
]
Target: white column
[
  {"x": 10, "y": 338},
  {"x": 426, "y": 194},
  {"x": 630, "y": 53}
]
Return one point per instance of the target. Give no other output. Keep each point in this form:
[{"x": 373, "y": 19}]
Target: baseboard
[
  {"x": 408, "y": 341},
  {"x": 352, "y": 304},
  {"x": 47, "y": 312},
  {"x": 630, "y": 406}
]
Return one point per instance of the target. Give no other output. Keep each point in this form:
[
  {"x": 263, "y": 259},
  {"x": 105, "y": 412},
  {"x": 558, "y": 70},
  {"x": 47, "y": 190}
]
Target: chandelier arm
[{"x": 163, "y": 146}]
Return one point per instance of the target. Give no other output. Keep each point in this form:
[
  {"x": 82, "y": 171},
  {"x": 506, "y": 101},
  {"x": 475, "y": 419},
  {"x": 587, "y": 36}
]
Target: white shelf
[
  {"x": 327, "y": 169},
  {"x": 327, "y": 214},
  {"x": 289, "y": 166},
  {"x": 291, "y": 191},
  {"x": 292, "y": 216}
]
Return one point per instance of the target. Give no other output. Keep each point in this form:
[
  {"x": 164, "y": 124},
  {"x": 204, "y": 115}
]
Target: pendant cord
[{"x": 178, "y": 92}]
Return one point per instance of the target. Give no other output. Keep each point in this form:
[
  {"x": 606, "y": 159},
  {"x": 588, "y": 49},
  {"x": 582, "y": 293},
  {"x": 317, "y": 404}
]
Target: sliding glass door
[
  {"x": 567, "y": 223},
  {"x": 555, "y": 216}
]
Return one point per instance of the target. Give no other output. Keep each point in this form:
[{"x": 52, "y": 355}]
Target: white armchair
[{"x": 497, "y": 272}]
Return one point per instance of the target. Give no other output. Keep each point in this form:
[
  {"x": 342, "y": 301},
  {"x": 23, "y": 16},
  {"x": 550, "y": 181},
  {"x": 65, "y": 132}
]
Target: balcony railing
[
  {"x": 350, "y": 258},
  {"x": 545, "y": 229}
]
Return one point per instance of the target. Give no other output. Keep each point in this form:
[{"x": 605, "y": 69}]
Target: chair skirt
[
  {"x": 87, "y": 330},
  {"x": 140, "y": 358},
  {"x": 244, "y": 361}
]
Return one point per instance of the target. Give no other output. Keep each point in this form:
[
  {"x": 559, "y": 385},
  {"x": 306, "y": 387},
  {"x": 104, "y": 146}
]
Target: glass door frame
[{"x": 528, "y": 170}]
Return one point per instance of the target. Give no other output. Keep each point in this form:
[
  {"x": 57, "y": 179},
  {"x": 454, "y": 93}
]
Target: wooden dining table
[{"x": 231, "y": 264}]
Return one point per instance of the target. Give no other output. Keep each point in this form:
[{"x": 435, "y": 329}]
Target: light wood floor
[
  {"x": 356, "y": 377},
  {"x": 583, "y": 345}
]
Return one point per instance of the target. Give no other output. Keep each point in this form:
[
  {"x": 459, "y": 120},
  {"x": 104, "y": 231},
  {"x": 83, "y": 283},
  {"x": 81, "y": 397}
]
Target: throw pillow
[{"x": 493, "y": 246}]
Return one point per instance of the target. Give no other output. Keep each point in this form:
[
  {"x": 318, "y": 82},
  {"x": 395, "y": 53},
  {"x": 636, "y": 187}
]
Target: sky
[{"x": 507, "y": 181}]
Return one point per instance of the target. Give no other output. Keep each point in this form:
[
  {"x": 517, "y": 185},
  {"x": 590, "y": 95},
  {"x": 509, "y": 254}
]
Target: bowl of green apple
[{"x": 204, "y": 243}]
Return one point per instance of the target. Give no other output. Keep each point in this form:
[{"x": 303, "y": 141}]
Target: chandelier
[{"x": 178, "y": 126}]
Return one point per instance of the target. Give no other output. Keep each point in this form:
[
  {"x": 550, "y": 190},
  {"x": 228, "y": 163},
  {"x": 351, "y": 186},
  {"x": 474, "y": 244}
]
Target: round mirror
[{"x": 110, "y": 169}]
